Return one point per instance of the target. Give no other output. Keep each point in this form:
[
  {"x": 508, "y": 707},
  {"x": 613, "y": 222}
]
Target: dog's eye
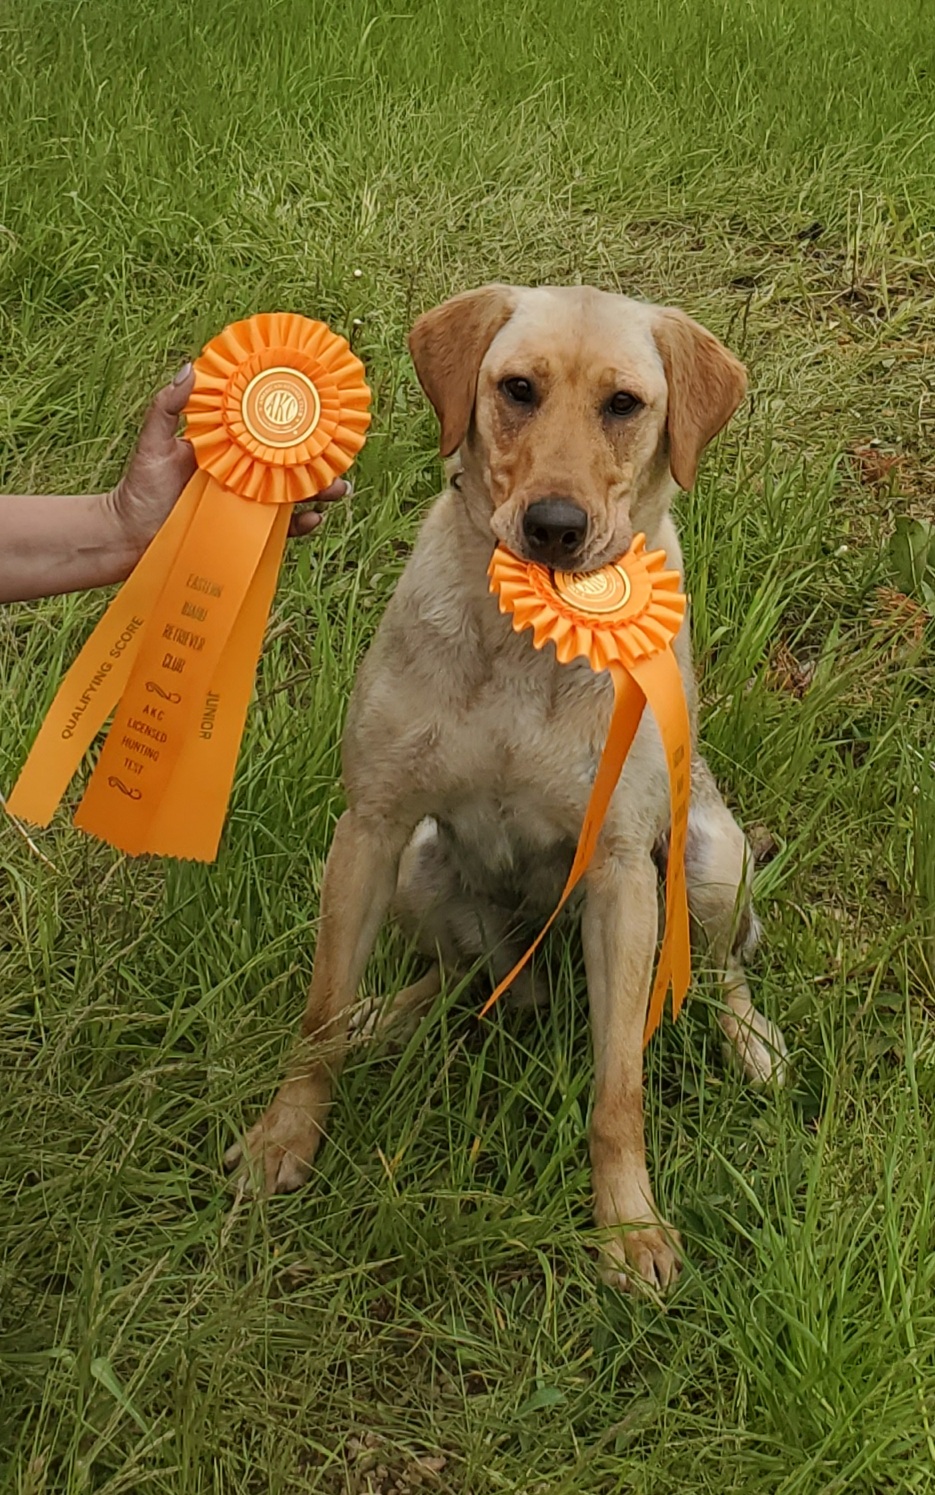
[
  {"x": 520, "y": 391},
  {"x": 622, "y": 404}
]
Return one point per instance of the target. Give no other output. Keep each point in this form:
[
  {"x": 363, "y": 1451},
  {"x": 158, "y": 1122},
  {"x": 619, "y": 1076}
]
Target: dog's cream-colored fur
[{"x": 469, "y": 756}]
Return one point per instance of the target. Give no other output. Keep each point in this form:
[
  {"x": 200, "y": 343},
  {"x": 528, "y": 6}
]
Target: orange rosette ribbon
[
  {"x": 622, "y": 619},
  {"x": 279, "y": 409}
]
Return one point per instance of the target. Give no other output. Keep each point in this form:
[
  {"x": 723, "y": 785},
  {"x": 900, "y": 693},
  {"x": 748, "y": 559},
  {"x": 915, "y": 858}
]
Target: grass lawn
[{"x": 425, "y": 1316}]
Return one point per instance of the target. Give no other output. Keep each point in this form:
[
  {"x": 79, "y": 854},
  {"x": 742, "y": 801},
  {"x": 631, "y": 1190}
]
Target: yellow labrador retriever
[{"x": 569, "y": 416}]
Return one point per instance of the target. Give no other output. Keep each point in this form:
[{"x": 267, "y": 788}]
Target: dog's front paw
[
  {"x": 641, "y": 1259},
  {"x": 276, "y": 1155}
]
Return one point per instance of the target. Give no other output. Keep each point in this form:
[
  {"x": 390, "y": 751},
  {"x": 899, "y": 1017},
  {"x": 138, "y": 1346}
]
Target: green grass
[{"x": 426, "y": 1314}]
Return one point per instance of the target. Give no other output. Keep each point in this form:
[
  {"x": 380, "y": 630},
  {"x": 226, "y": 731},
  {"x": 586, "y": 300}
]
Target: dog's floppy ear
[
  {"x": 448, "y": 346},
  {"x": 706, "y": 384}
]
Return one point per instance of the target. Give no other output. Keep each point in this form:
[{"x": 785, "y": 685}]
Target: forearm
[{"x": 50, "y": 545}]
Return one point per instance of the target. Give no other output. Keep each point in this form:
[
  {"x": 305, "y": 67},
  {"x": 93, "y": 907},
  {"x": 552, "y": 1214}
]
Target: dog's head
[{"x": 569, "y": 409}]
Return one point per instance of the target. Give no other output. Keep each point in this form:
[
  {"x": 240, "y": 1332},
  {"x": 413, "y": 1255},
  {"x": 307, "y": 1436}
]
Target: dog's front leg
[
  {"x": 358, "y": 885},
  {"x": 619, "y": 935}
]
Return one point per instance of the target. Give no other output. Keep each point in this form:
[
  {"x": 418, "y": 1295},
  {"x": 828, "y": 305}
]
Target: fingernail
[
  {"x": 348, "y": 487},
  {"x": 182, "y": 374}
]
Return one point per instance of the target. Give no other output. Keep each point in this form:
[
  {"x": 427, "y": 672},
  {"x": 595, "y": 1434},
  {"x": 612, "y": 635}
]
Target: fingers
[
  {"x": 161, "y": 421},
  {"x": 303, "y": 521},
  {"x": 340, "y": 488}
]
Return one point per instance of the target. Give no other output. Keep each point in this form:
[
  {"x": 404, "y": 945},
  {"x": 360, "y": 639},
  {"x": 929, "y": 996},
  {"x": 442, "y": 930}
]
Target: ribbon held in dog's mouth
[
  {"x": 622, "y": 619},
  {"x": 278, "y": 410}
]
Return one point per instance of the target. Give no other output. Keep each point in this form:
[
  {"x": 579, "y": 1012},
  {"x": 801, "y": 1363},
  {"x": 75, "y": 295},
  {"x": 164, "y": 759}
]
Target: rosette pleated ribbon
[
  {"x": 278, "y": 410},
  {"x": 622, "y": 619}
]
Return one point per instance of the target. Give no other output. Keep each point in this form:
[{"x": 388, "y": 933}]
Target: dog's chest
[
  {"x": 513, "y": 809},
  {"x": 514, "y": 816},
  {"x": 536, "y": 731}
]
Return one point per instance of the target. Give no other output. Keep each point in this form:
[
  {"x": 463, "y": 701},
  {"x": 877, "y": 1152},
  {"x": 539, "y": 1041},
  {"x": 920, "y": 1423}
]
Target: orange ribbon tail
[
  {"x": 167, "y": 693},
  {"x": 205, "y": 769},
  {"x": 660, "y": 680},
  {"x": 629, "y": 702}
]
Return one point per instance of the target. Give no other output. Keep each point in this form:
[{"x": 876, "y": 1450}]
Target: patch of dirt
[
  {"x": 788, "y": 674},
  {"x": 371, "y": 1467},
  {"x": 876, "y": 464}
]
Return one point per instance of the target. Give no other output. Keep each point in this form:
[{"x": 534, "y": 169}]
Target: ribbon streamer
[
  {"x": 622, "y": 619},
  {"x": 278, "y": 410}
]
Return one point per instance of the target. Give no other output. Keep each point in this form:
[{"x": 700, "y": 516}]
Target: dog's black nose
[{"x": 554, "y": 529}]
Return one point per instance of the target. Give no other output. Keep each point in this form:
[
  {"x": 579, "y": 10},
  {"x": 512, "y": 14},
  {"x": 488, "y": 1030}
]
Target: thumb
[{"x": 162, "y": 418}]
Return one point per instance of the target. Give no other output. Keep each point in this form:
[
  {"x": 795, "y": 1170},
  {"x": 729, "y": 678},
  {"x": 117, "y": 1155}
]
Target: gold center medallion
[
  {"x": 280, "y": 407},
  {"x": 604, "y": 591}
]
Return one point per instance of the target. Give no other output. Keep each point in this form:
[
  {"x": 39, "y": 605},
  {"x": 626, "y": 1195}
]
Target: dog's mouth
[
  {"x": 581, "y": 567},
  {"x": 572, "y": 542},
  {"x": 576, "y": 537},
  {"x": 572, "y": 565}
]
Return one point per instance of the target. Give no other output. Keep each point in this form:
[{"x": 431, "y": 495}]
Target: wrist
[
  {"x": 128, "y": 531},
  {"x": 123, "y": 537}
]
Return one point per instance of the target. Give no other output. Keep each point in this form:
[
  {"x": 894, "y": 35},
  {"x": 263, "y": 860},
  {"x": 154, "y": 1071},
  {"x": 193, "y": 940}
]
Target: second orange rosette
[
  {"x": 279, "y": 409},
  {"x": 623, "y": 619}
]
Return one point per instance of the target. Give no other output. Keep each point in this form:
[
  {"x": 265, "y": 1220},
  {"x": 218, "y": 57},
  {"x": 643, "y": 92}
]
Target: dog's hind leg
[
  {"x": 427, "y": 899},
  {"x": 399, "y": 1017},
  {"x": 719, "y": 873},
  {"x": 453, "y": 928}
]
